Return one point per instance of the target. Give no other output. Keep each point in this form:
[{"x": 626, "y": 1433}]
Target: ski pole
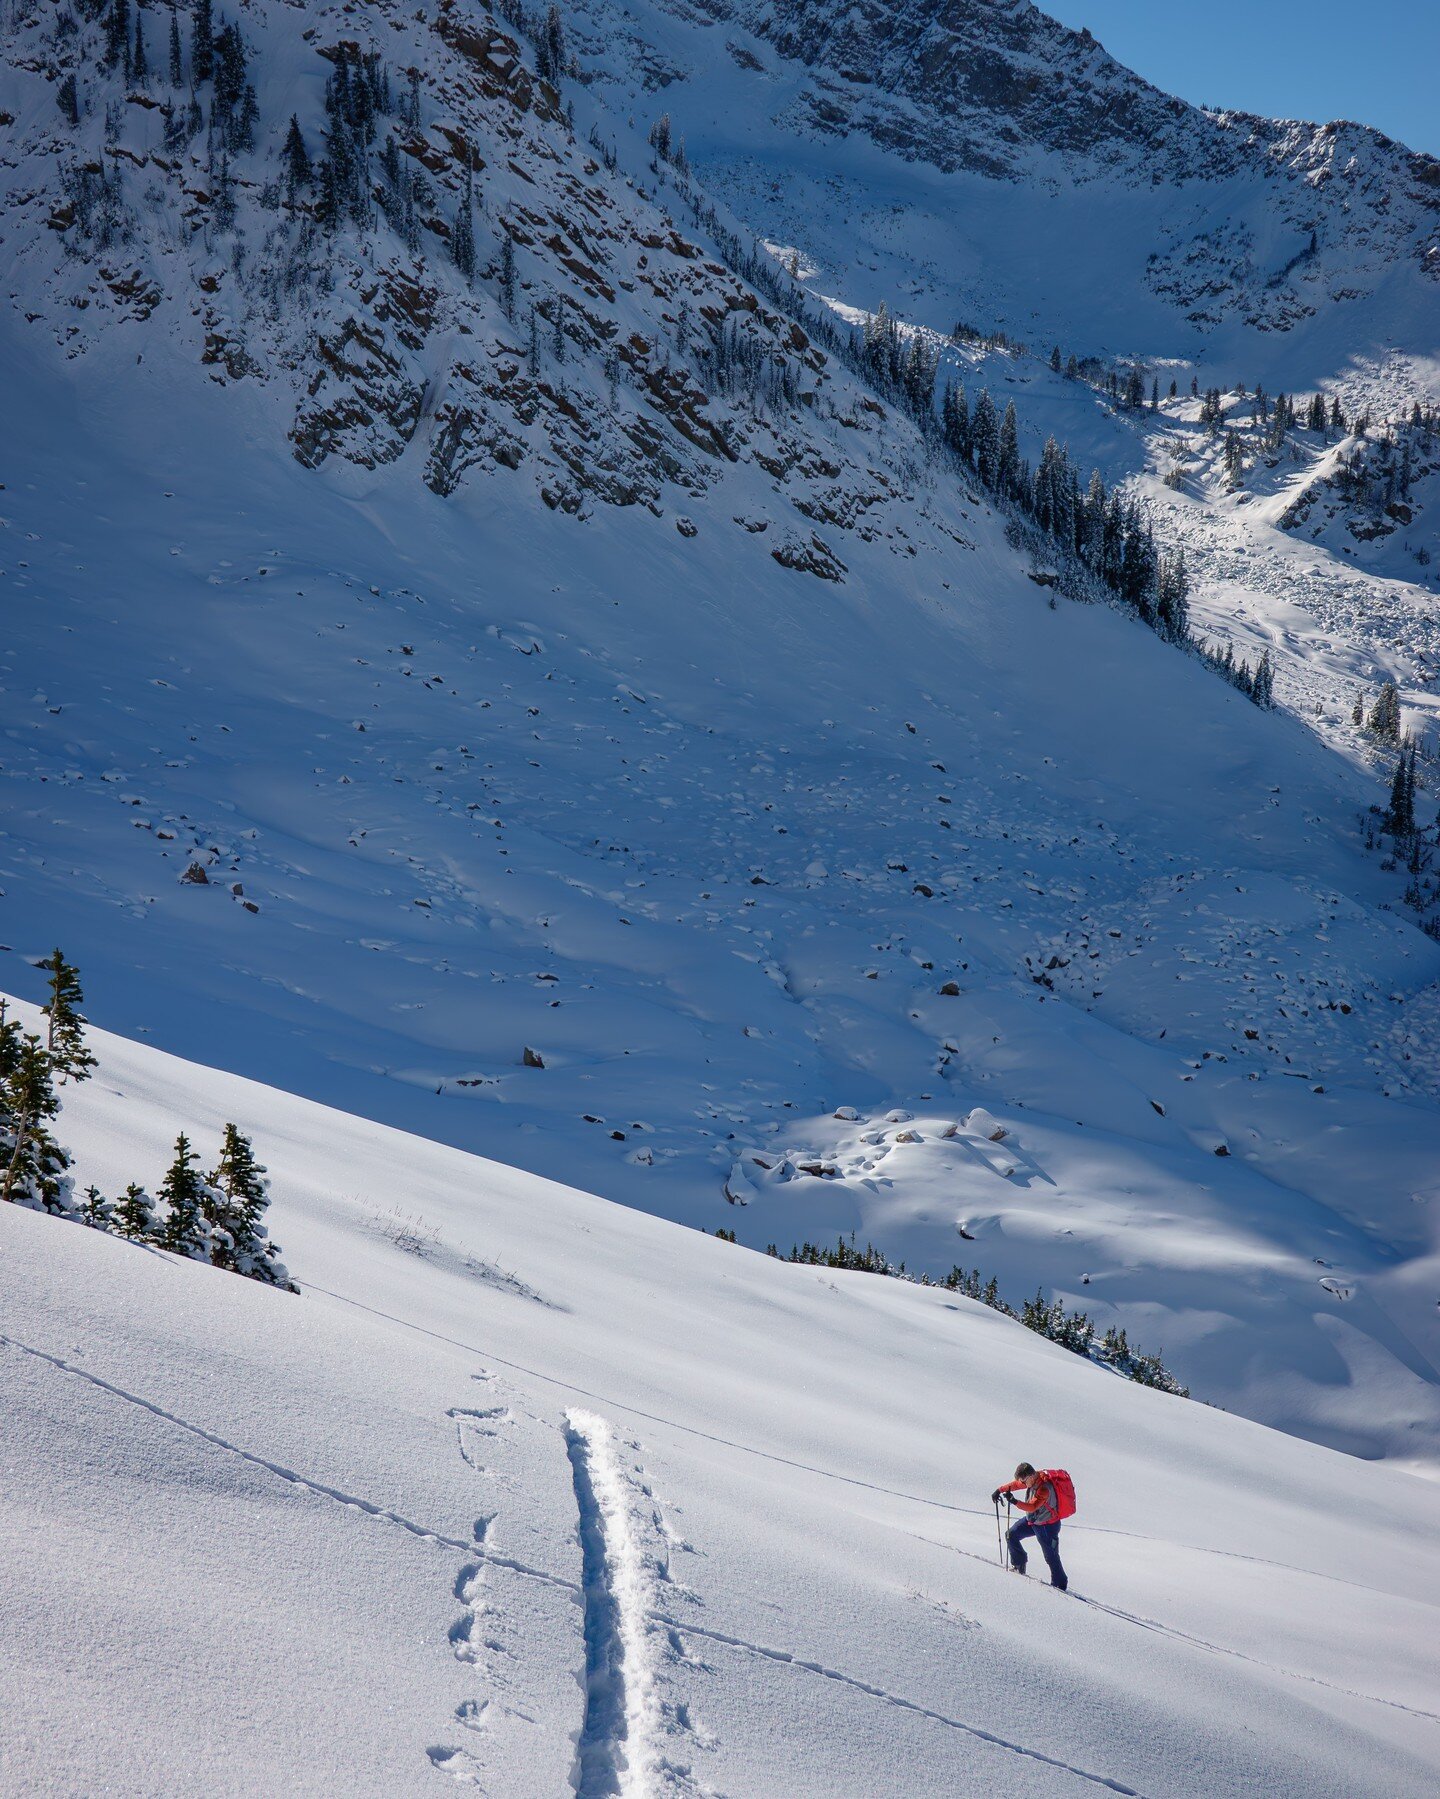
[{"x": 999, "y": 1535}]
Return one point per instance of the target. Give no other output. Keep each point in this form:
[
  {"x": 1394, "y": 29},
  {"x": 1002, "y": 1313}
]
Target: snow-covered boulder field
[{"x": 543, "y": 1495}]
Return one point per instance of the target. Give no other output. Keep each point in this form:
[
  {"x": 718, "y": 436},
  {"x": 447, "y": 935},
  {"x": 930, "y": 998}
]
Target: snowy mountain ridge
[{"x": 988, "y": 163}]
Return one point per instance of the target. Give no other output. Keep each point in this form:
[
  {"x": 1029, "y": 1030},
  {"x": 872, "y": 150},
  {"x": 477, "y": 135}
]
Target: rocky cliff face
[{"x": 465, "y": 280}]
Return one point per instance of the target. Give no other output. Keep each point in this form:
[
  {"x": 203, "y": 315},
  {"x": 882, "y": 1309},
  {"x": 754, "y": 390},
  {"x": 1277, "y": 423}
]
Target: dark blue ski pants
[{"x": 1048, "y": 1536}]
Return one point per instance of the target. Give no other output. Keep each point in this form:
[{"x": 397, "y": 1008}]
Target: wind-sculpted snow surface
[{"x": 703, "y": 1524}]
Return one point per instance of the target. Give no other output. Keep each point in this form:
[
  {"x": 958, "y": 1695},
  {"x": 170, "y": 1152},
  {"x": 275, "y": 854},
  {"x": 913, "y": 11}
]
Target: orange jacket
[{"x": 1041, "y": 1502}]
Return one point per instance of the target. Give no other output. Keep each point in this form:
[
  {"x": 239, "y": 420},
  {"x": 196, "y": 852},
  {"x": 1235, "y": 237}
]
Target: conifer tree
[
  {"x": 135, "y": 1215},
  {"x": 550, "y": 56},
  {"x": 985, "y": 435},
  {"x": 462, "y": 242},
  {"x": 1262, "y": 683},
  {"x": 117, "y": 36},
  {"x": 184, "y": 1229},
  {"x": 295, "y": 160},
  {"x": 65, "y": 1028},
  {"x": 95, "y": 1209},
  {"x": 238, "y": 1196},
  {"x": 202, "y": 41},
  {"x": 1385, "y": 714},
  {"x": 1400, "y": 813},
  {"x": 177, "y": 55},
  {"x": 67, "y": 98},
  {"x": 33, "y": 1166},
  {"x": 140, "y": 62}
]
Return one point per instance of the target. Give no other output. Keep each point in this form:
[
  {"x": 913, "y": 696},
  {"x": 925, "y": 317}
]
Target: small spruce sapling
[
  {"x": 135, "y": 1215},
  {"x": 96, "y": 1210},
  {"x": 185, "y": 1230}
]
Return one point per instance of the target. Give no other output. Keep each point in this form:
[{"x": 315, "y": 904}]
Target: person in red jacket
[{"x": 1041, "y": 1521}]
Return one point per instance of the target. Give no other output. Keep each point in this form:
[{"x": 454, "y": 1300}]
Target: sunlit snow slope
[{"x": 538, "y": 1493}]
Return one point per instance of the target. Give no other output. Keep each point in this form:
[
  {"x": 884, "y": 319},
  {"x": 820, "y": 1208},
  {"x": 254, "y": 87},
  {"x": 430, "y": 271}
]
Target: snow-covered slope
[
  {"x": 758, "y": 784},
  {"x": 540, "y": 1494}
]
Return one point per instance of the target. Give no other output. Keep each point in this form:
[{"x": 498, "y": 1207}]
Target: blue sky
[{"x": 1378, "y": 62}]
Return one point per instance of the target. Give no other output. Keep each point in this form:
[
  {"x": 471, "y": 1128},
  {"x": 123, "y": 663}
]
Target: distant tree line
[{"x": 1047, "y": 1318}]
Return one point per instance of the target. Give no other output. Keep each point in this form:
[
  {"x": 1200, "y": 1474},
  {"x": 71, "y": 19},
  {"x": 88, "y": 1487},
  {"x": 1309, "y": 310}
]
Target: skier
[{"x": 1044, "y": 1509}]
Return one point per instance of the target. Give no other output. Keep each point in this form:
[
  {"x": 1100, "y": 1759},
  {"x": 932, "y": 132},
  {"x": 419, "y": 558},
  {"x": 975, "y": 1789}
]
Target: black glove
[{"x": 995, "y": 1497}]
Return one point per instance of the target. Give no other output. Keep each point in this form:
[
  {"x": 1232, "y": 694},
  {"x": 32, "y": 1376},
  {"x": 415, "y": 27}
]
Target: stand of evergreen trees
[
  {"x": 1047, "y": 1318},
  {"x": 1091, "y": 531},
  {"x": 215, "y": 1217}
]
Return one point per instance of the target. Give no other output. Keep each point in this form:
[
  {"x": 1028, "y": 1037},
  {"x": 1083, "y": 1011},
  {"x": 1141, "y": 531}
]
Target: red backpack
[{"x": 1064, "y": 1490}]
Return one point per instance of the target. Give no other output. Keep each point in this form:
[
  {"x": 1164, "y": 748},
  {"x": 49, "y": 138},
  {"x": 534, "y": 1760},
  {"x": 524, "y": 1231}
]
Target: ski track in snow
[{"x": 615, "y": 1750}]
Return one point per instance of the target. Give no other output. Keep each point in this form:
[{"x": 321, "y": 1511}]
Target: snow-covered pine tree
[
  {"x": 1385, "y": 714},
  {"x": 985, "y": 436},
  {"x": 238, "y": 1196},
  {"x": 1262, "y": 684},
  {"x": 135, "y": 1214},
  {"x": 34, "y": 1169},
  {"x": 95, "y": 1209},
  {"x": 177, "y": 55},
  {"x": 184, "y": 1229},
  {"x": 1008, "y": 476}
]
